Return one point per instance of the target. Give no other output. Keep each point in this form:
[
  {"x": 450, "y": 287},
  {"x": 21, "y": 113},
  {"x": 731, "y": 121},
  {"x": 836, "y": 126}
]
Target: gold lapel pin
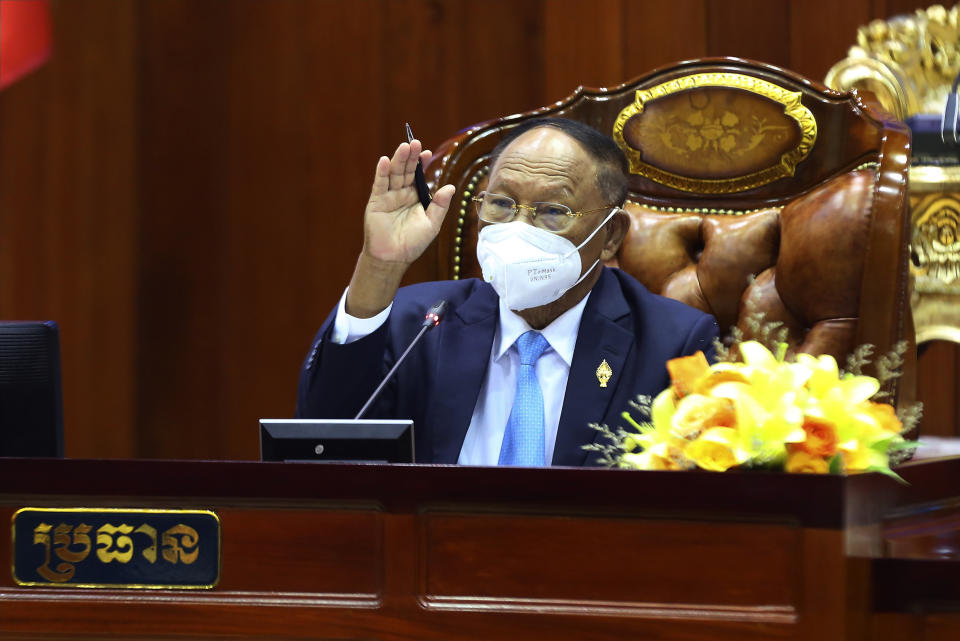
[{"x": 604, "y": 373}]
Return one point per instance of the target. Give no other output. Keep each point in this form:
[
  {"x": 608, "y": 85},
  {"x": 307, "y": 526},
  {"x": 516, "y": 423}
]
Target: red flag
[{"x": 24, "y": 37}]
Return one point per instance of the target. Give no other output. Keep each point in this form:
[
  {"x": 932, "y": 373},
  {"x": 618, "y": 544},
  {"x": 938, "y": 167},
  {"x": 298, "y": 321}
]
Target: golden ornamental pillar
[{"x": 909, "y": 63}]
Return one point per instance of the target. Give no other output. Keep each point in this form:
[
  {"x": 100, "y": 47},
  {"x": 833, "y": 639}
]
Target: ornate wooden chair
[{"x": 752, "y": 190}]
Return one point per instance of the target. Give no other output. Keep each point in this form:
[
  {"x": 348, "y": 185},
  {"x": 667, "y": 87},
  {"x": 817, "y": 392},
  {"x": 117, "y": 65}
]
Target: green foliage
[
  {"x": 858, "y": 359},
  {"x": 610, "y": 447},
  {"x": 836, "y": 464},
  {"x": 642, "y": 404},
  {"x": 887, "y": 472},
  {"x": 888, "y": 366},
  {"x": 772, "y": 335},
  {"x": 910, "y": 416},
  {"x": 721, "y": 350},
  {"x": 614, "y": 443}
]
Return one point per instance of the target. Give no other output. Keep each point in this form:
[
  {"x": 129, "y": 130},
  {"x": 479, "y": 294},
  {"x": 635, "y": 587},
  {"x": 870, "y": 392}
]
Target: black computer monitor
[
  {"x": 31, "y": 403},
  {"x": 336, "y": 440}
]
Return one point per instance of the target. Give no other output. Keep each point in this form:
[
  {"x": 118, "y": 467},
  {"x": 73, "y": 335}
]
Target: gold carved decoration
[
  {"x": 935, "y": 252},
  {"x": 936, "y": 242},
  {"x": 909, "y": 61},
  {"x": 717, "y": 134},
  {"x": 935, "y": 265}
]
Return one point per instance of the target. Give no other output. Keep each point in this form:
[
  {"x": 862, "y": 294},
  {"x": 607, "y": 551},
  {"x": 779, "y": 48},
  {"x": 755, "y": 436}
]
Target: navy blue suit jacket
[{"x": 438, "y": 385}]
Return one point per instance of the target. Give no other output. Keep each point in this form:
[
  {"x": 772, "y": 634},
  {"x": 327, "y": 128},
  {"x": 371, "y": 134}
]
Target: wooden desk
[{"x": 448, "y": 553}]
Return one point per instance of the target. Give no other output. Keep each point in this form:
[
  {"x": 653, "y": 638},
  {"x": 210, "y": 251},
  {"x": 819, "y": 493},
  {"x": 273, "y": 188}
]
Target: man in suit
[{"x": 549, "y": 341}]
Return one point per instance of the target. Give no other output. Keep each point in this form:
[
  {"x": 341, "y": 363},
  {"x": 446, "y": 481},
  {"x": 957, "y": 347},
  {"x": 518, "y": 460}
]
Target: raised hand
[
  {"x": 396, "y": 230},
  {"x": 396, "y": 227}
]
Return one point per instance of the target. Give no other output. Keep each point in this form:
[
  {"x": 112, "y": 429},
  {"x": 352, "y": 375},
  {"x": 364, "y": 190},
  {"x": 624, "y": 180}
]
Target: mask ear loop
[
  {"x": 594, "y": 233},
  {"x": 585, "y": 274}
]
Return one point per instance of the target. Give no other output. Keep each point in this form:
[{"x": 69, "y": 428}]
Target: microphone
[{"x": 430, "y": 319}]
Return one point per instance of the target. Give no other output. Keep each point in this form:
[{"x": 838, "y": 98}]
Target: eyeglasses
[{"x": 553, "y": 217}]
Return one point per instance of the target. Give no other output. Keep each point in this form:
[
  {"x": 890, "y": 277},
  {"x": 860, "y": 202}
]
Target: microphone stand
[{"x": 430, "y": 320}]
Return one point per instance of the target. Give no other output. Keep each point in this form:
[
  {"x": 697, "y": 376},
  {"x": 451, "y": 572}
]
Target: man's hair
[{"x": 611, "y": 163}]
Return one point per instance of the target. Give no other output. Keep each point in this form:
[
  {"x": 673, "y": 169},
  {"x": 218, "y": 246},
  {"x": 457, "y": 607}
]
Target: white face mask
[{"x": 528, "y": 266}]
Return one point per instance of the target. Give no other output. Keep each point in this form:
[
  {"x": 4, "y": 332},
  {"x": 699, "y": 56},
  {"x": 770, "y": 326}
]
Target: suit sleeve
[
  {"x": 700, "y": 338},
  {"x": 336, "y": 380}
]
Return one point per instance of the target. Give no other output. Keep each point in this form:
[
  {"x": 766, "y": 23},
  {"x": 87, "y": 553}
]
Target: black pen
[{"x": 422, "y": 191}]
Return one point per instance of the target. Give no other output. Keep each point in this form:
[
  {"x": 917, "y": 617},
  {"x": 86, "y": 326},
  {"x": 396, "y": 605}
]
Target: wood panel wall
[
  {"x": 69, "y": 221},
  {"x": 182, "y": 186}
]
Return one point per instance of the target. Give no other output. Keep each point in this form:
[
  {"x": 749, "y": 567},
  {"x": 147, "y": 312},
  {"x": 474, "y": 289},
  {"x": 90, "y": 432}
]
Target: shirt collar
[{"x": 561, "y": 333}]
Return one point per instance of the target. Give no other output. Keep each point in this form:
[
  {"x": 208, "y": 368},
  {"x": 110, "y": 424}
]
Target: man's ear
[{"x": 616, "y": 230}]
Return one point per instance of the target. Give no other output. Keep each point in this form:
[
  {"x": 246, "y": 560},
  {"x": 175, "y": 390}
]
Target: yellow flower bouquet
[{"x": 762, "y": 411}]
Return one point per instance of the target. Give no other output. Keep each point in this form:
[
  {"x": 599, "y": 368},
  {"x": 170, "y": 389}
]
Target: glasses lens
[
  {"x": 494, "y": 208},
  {"x": 553, "y": 216}
]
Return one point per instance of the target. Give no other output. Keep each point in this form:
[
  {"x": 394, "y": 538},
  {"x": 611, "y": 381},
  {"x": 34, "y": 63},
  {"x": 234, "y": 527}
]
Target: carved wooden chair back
[{"x": 752, "y": 191}]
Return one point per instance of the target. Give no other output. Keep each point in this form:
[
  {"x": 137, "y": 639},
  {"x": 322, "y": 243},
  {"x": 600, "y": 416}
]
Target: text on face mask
[{"x": 535, "y": 274}]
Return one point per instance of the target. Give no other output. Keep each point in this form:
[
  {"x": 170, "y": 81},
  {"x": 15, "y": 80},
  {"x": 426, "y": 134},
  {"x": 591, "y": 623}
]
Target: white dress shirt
[{"x": 489, "y": 421}]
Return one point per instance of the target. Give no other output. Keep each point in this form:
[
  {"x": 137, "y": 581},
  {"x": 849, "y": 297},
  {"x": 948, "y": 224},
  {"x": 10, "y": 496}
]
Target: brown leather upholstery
[{"x": 751, "y": 188}]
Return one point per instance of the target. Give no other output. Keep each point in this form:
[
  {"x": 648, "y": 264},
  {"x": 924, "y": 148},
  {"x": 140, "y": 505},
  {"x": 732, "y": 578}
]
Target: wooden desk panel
[
  {"x": 505, "y": 562},
  {"x": 321, "y": 552},
  {"x": 440, "y": 553}
]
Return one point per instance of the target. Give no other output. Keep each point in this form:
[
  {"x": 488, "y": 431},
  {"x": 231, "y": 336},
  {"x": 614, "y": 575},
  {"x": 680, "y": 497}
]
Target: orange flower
[
  {"x": 696, "y": 413},
  {"x": 821, "y": 437},
  {"x": 801, "y": 462},
  {"x": 884, "y": 415},
  {"x": 685, "y": 371}
]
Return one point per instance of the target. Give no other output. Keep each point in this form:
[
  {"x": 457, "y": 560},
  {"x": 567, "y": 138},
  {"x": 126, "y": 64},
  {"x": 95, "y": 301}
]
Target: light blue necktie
[{"x": 523, "y": 438}]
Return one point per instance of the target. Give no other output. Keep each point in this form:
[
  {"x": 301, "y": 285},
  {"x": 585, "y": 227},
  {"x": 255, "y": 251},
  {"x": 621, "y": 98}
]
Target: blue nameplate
[{"x": 110, "y": 548}]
